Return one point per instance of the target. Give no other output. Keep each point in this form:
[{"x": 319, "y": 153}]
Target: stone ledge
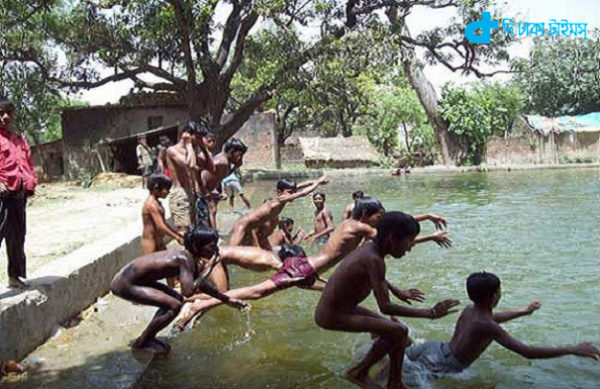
[{"x": 62, "y": 289}]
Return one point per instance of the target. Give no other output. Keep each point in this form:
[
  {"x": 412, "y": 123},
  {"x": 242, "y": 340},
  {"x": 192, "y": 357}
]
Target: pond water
[{"x": 537, "y": 230}]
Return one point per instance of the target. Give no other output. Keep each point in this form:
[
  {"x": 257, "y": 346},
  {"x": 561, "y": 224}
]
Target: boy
[
  {"x": 359, "y": 194},
  {"x": 345, "y": 238},
  {"x": 323, "y": 224},
  {"x": 181, "y": 161},
  {"x": 138, "y": 282},
  {"x": 145, "y": 158},
  {"x": 231, "y": 157},
  {"x": 232, "y": 185},
  {"x": 477, "y": 327},
  {"x": 360, "y": 273},
  {"x": 285, "y": 234},
  {"x": 153, "y": 216}
]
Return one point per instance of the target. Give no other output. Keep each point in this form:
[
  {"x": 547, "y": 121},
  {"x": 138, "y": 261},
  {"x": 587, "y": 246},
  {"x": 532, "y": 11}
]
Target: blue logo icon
[{"x": 485, "y": 24}]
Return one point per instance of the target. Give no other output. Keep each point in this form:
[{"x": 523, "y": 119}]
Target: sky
[{"x": 422, "y": 19}]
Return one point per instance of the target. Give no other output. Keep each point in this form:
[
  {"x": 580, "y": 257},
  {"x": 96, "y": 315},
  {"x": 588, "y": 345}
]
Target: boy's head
[
  {"x": 319, "y": 199},
  {"x": 201, "y": 241},
  {"x": 209, "y": 140},
  {"x": 164, "y": 141},
  {"x": 484, "y": 288},
  {"x": 286, "y": 224},
  {"x": 285, "y": 186},
  {"x": 396, "y": 232},
  {"x": 195, "y": 131},
  {"x": 142, "y": 140},
  {"x": 359, "y": 194},
  {"x": 368, "y": 210},
  {"x": 290, "y": 251},
  {"x": 7, "y": 113},
  {"x": 235, "y": 150},
  {"x": 159, "y": 185}
]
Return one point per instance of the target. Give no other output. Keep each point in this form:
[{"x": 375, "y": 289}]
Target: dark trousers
[{"x": 12, "y": 227}]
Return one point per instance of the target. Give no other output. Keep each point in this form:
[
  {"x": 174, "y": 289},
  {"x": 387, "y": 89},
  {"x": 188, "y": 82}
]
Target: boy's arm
[
  {"x": 379, "y": 285},
  {"x": 304, "y": 184},
  {"x": 440, "y": 238},
  {"x": 161, "y": 225},
  {"x": 406, "y": 295},
  {"x": 186, "y": 276},
  {"x": 502, "y": 317},
  {"x": 212, "y": 292},
  {"x": 532, "y": 352},
  {"x": 304, "y": 192},
  {"x": 439, "y": 221}
]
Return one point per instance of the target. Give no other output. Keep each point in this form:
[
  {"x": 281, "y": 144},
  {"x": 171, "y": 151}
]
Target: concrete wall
[
  {"x": 60, "y": 290},
  {"x": 53, "y": 153},
  {"x": 84, "y": 128}
]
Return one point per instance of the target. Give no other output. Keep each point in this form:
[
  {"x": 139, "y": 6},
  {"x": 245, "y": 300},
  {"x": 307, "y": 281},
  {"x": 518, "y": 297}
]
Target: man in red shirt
[{"x": 18, "y": 180}]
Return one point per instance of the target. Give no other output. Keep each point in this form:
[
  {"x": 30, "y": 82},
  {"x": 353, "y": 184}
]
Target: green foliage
[
  {"x": 395, "y": 109},
  {"x": 478, "y": 111},
  {"x": 561, "y": 76},
  {"x": 566, "y": 159}
]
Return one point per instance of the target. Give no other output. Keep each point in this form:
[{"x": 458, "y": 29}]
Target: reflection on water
[{"x": 537, "y": 230}]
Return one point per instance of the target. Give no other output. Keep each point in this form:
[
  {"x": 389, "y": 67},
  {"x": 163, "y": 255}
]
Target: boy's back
[{"x": 473, "y": 333}]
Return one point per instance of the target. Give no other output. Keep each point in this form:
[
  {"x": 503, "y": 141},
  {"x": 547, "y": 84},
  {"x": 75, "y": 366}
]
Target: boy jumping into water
[
  {"x": 477, "y": 327},
  {"x": 153, "y": 216},
  {"x": 323, "y": 224},
  {"x": 360, "y": 273},
  {"x": 138, "y": 282},
  {"x": 345, "y": 238}
]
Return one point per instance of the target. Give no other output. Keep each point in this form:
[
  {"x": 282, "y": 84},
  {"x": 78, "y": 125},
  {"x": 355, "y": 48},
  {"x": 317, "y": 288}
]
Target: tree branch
[
  {"x": 229, "y": 32},
  {"x": 182, "y": 25},
  {"x": 240, "y": 44}
]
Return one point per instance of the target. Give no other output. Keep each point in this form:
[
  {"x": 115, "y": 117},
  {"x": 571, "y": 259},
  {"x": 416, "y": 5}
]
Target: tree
[
  {"x": 180, "y": 43},
  {"x": 561, "y": 77},
  {"x": 476, "y": 112}
]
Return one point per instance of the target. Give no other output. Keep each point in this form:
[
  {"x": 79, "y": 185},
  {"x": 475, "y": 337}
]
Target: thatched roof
[
  {"x": 354, "y": 151},
  {"x": 573, "y": 124}
]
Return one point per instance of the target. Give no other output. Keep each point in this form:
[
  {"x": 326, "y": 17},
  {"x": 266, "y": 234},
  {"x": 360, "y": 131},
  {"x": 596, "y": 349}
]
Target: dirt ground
[{"x": 63, "y": 216}]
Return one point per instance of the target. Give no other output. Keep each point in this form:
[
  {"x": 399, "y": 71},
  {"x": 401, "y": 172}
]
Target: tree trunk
[{"x": 451, "y": 150}]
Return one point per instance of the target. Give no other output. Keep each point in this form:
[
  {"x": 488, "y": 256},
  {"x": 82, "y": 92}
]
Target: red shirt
[{"x": 16, "y": 162}]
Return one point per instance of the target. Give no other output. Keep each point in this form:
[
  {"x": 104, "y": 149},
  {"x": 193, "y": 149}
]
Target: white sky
[{"x": 575, "y": 11}]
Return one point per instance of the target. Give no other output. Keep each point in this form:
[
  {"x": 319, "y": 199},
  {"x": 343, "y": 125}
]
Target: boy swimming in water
[
  {"x": 153, "y": 216},
  {"x": 360, "y": 273},
  {"x": 138, "y": 282},
  {"x": 477, "y": 327},
  {"x": 323, "y": 223}
]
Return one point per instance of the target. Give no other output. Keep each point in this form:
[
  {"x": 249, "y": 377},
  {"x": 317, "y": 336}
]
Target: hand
[
  {"x": 442, "y": 309},
  {"x": 439, "y": 221},
  {"x": 411, "y": 294},
  {"x": 441, "y": 238},
  {"x": 239, "y": 304},
  {"x": 3, "y": 189},
  {"x": 323, "y": 180},
  {"x": 180, "y": 240},
  {"x": 533, "y": 307},
  {"x": 187, "y": 138},
  {"x": 588, "y": 350}
]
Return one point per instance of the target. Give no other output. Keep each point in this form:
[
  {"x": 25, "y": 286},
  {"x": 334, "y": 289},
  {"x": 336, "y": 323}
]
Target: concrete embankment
[{"x": 62, "y": 289}]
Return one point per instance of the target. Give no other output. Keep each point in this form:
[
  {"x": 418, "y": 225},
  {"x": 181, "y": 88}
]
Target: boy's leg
[
  {"x": 169, "y": 303},
  {"x": 15, "y": 237},
  {"x": 392, "y": 335},
  {"x": 253, "y": 292},
  {"x": 245, "y": 200},
  {"x": 237, "y": 233}
]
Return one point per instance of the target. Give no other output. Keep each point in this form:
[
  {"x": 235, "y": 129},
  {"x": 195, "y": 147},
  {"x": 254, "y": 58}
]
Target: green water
[{"x": 537, "y": 230}]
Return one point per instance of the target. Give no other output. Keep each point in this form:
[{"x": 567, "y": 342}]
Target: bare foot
[
  {"x": 164, "y": 344},
  {"x": 364, "y": 381},
  {"x": 151, "y": 346}
]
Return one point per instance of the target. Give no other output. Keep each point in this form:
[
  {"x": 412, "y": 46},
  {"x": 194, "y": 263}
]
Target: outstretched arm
[
  {"x": 440, "y": 238},
  {"x": 532, "y": 352},
  {"x": 304, "y": 192},
  {"x": 376, "y": 271},
  {"x": 439, "y": 221},
  {"x": 502, "y": 317},
  {"x": 406, "y": 295}
]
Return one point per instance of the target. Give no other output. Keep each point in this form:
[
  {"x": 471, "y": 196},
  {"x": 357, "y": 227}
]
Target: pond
[{"x": 537, "y": 230}]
